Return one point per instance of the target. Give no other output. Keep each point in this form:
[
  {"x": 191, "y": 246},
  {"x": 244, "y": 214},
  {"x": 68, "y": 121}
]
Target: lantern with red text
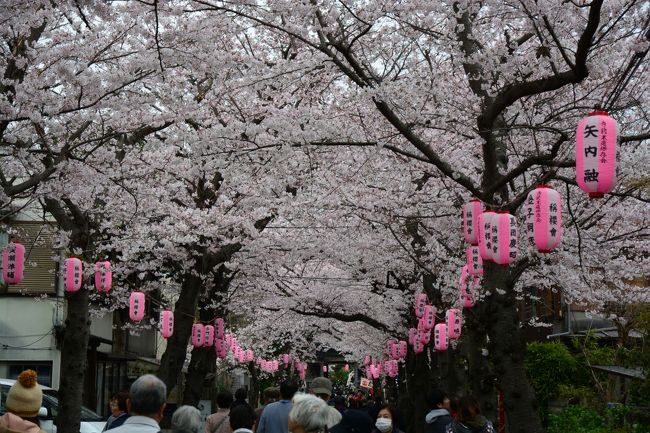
[
  {"x": 420, "y": 302},
  {"x": 208, "y": 340},
  {"x": 504, "y": 238},
  {"x": 166, "y": 323},
  {"x": 13, "y": 263},
  {"x": 485, "y": 234},
  {"x": 596, "y": 154},
  {"x": 198, "y": 335},
  {"x": 103, "y": 276},
  {"x": 474, "y": 260},
  {"x": 454, "y": 322},
  {"x": 73, "y": 274},
  {"x": 471, "y": 212},
  {"x": 440, "y": 337},
  {"x": 543, "y": 219},
  {"x": 136, "y": 306}
]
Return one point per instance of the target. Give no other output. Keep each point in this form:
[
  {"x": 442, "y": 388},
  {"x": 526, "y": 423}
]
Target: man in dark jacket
[{"x": 438, "y": 416}]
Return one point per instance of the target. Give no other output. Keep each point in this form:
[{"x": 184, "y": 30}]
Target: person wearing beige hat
[{"x": 23, "y": 403}]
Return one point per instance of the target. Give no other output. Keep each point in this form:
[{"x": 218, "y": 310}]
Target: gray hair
[
  {"x": 186, "y": 419},
  {"x": 148, "y": 395},
  {"x": 309, "y": 412}
]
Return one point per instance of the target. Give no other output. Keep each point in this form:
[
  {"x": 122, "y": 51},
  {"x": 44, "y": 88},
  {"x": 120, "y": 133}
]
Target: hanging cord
[{"x": 626, "y": 75}]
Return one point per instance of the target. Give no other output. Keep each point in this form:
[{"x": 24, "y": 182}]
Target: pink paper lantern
[
  {"x": 233, "y": 344},
  {"x": 346, "y": 368},
  {"x": 220, "y": 348},
  {"x": 474, "y": 260},
  {"x": 543, "y": 218},
  {"x": 208, "y": 340},
  {"x": 402, "y": 349},
  {"x": 440, "y": 337},
  {"x": 429, "y": 317},
  {"x": 276, "y": 365},
  {"x": 324, "y": 368},
  {"x": 198, "y": 335},
  {"x": 166, "y": 323},
  {"x": 418, "y": 346},
  {"x": 241, "y": 356},
  {"x": 103, "y": 276},
  {"x": 394, "y": 351},
  {"x": 596, "y": 154},
  {"x": 412, "y": 335},
  {"x": 285, "y": 360},
  {"x": 425, "y": 336},
  {"x": 420, "y": 302},
  {"x": 466, "y": 296},
  {"x": 504, "y": 238},
  {"x": 228, "y": 340},
  {"x": 366, "y": 360},
  {"x": 485, "y": 234},
  {"x": 471, "y": 212},
  {"x": 136, "y": 306},
  {"x": 219, "y": 328},
  {"x": 73, "y": 274},
  {"x": 13, "y": 263},
  {"x": 390, "y": 344},
  {"x": 454, "y": 322}
]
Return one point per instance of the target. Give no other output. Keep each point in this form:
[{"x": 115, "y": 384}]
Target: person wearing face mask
[{"x": 386, "y": 421}]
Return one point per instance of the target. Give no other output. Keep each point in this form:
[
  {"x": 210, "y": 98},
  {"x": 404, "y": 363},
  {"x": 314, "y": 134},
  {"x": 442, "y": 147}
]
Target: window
[{"x": 42, "y": 369}]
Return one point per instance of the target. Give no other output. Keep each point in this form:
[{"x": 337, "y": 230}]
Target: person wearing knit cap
[{"x": 24, "y": 400}]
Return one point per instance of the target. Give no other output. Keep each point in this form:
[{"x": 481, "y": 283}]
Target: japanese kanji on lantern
[
  {"x": 136, "y": 306},
  {"x": 420, "y": 302},
  {"x": 198, "y": 335},
  {"x": 504, "y": 238},
  {"x": 466, "y": 296},
  {"x": 543, "y": 219},
  {"x": 13, "y": 263},
  {"x": 103, "y": 276},
  {"x": 474, "y": 260},
  {"x": 220, "y": 348},
  {"x": 219, "y": 328},
  {"x": 429, "y": 317},
  {"x": 596, "y": 154},
  {"x": 440, "y": 337},
  {"x": 485, "y": 234},
  {"x": 412, "y": 334},
  {"x": 73, "y": 274},
  {"x": 390, "y": 344},
  {"x": 208, "y": 340},
  {"x": 454, "y": 322},
  {"x": 402, "y": 349},
  {"x": 471, "y": 212},
  {"x": 249, "y": 356},
  {"x": 425, "y": 336},
  {"x": 166, "y": 323},
  {"x": 418, "y": 346}
]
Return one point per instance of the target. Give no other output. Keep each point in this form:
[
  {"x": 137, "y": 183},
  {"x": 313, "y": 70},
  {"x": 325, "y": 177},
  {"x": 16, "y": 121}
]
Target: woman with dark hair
[
  {"x": 469, "y": 418},
  {"x": 386, "y": 421},
  {"x": 118, "y": 410}
]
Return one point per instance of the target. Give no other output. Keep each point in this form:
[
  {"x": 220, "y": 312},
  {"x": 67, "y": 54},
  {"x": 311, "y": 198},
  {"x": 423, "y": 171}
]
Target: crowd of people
[{"x": 285, "y": 410}]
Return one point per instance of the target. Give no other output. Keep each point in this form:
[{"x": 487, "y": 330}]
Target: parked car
[{"x": 90, "y": 421}]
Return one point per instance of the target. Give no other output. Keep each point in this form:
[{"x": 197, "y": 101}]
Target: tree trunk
[
  {"x": 417, "y": 371},
  {"x": 508, "y": 350},
  {"x": 480, "y": 378},
  {"x": 203, "y": 360},
  {"x": 73, "y": 362},
  {"x": 171, "y": 363}
]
